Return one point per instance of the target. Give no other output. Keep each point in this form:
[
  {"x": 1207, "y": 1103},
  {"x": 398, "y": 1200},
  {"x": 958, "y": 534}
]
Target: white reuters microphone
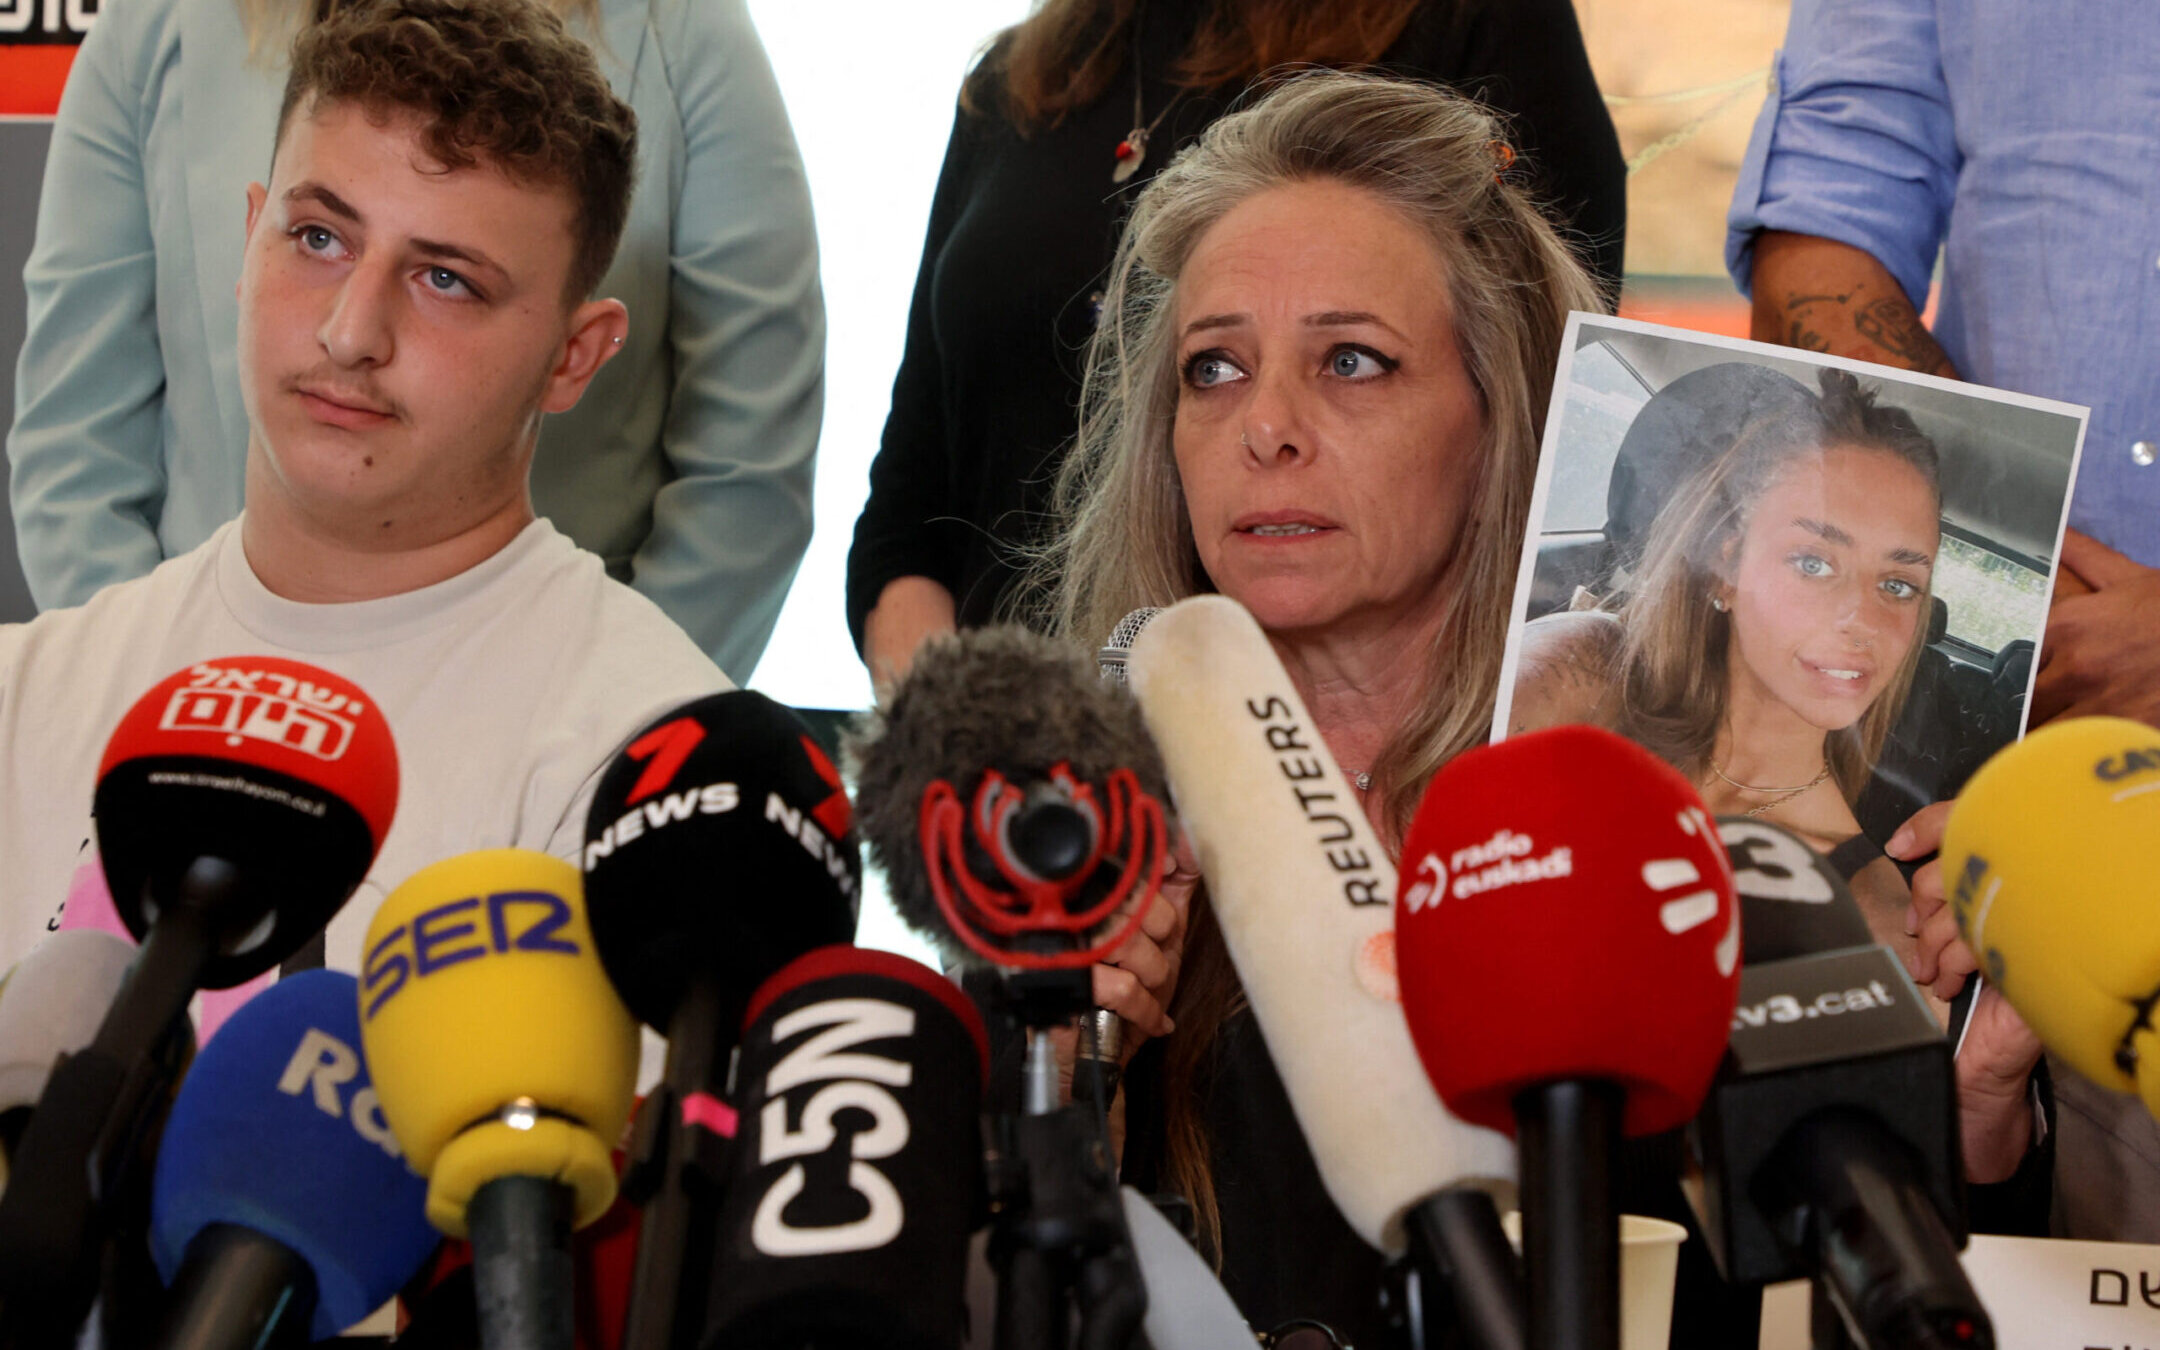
[{"x": 1304, "y": 894}]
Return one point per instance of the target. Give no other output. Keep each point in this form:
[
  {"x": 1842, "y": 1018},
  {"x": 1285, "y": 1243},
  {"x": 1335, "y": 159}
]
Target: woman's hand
[
  {"x": 1140, "y": 978},
  {"x": 1999, "y": 1051}
]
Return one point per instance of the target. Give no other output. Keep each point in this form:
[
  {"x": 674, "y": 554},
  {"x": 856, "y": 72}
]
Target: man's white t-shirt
[{"x": 508, "y": 689}]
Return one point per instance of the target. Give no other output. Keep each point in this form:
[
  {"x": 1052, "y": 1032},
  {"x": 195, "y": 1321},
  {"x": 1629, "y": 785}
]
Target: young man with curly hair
[{"x": 450, "y": 182}]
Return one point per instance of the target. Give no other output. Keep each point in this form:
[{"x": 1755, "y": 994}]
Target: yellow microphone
[
  {"x": 506, "y": 1065},
  {"x": 2045, "y": 860}
]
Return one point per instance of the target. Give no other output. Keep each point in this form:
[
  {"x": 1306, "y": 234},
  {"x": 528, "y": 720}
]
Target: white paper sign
[{"x": 2051, "y": 1294}]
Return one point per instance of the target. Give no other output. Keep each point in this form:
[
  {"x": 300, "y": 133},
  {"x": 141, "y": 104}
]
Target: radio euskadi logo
[{"x": 1501, "y": 861}]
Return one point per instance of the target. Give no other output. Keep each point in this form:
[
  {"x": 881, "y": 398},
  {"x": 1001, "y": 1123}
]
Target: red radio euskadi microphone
[
  {"x": 239, "y": 804},
  {"x": 1569, "y": 949}
]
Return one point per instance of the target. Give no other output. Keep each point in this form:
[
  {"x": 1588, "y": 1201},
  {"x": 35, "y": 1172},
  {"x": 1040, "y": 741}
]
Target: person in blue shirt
[{"x": 2022, "y": 142}]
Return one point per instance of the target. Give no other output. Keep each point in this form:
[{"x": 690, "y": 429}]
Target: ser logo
[
  {"x": 458, "y": 931},
  {"x": 854, "y": 1082}
]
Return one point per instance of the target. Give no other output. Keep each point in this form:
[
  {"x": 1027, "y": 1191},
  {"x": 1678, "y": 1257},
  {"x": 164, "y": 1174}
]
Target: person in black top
[{"x": 1028, "y": 209}]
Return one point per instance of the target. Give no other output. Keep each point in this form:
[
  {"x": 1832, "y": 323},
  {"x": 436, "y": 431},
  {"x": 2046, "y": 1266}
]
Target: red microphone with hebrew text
[{"x": 239, "y": 804}]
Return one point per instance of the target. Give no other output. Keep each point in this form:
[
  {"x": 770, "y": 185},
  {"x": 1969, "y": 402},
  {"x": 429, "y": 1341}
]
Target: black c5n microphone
[{"x": 858, "y": 1167}]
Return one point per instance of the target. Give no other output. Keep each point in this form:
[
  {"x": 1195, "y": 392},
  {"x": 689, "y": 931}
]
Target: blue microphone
[{"x": 281, "y": 1198}]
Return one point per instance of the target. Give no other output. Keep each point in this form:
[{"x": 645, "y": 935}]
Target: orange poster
[{"x": 31, "y": 75}]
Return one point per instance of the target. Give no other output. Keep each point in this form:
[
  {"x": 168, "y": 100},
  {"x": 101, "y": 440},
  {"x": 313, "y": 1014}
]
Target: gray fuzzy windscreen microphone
[{"x": 1005, "y": 775}]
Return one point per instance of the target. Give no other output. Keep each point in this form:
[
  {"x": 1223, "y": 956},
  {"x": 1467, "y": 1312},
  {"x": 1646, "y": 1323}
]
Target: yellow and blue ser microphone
[{"x": 506, "y": 1065}]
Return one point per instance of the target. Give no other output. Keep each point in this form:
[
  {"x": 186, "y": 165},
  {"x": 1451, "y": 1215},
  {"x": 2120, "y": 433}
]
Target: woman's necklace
[
  {"x": 1784, "y": 794},
  {"x": 1132, "y": 151}
]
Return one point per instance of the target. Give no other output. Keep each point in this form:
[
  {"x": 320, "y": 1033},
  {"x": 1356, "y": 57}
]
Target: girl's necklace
[{"x": 1784, "y": 794}]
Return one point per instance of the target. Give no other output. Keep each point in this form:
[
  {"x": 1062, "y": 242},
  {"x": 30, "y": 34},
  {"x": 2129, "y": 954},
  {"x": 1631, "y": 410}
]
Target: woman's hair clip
[{"x": 1503, "y": 157}]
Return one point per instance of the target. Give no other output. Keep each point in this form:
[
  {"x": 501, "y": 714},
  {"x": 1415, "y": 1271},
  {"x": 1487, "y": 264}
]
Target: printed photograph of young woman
[{"x": 1814, "y": 586}]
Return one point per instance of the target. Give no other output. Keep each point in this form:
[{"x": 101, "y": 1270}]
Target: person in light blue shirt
[
  {"x": 2022, "y": 142},
  {"x": 688, "y": 465}
]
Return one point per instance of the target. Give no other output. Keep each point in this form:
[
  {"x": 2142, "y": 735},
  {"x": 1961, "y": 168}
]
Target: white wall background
[{"x": 870, "y": 88}]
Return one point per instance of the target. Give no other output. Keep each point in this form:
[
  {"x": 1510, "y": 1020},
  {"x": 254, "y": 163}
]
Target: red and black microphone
[
  {"x": 1569, "y": 951},
  {"x": 239, "y": 804},
  {"x": 1032, "y": 877},
  {"x": 720, "y": 846}
]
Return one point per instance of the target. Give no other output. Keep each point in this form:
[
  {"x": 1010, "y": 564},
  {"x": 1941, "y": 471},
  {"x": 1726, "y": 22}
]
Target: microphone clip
[{"x": 1044, "y": 847}]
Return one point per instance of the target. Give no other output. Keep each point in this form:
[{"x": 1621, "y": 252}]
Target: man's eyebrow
[
  {"x": 433, "y": 248},
  {"x": 436, "y": 249},
  {"x": 331, "y": 202}
]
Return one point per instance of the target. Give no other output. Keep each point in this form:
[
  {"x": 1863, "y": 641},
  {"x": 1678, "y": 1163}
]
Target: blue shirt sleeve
[
  {"x": 746, "y": 334},
  {"x": 87, "y": 476},
  {"x": 1855, "y": 141}
]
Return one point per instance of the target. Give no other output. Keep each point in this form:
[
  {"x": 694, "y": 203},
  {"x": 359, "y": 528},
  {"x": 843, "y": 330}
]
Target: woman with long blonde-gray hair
[{"x": 1327, "y": 345}]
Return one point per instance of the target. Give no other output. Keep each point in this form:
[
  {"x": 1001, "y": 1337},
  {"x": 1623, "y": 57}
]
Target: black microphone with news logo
[{"x": 719, "y": 846}]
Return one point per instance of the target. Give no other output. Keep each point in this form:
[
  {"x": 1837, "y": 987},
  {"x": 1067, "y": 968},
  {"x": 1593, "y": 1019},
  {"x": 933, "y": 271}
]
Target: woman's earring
[
  {"x": 1717, "y": 602},
  {"x": 1245, "y": 439}
]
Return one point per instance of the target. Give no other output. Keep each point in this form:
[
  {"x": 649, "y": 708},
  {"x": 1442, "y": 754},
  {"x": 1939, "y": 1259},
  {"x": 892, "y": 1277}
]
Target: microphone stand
[
  {"x": 678, "y": 1174},
  {"x": 1460, "y": 1272},
  {"x": 79, "y": 1161},
  {"x": 1058, "y": 1242},
  {"x": 1569, "y": 1133}
]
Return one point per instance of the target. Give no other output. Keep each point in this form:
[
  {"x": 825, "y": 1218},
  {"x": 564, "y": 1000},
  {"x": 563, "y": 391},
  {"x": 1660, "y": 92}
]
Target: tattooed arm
[{"x": 1831, "y": 297}]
